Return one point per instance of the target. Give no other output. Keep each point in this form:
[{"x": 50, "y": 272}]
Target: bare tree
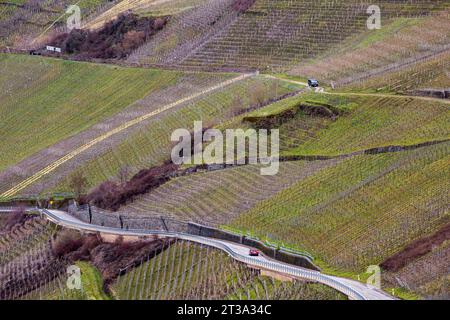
[
  {"x": 78, "y": 183},
  {"x": 236, "y": 107},
  {"x": 274, "y": 88}
]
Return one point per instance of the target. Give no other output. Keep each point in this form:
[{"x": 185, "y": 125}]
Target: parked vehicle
[
  {"x": 313, "y": 83},
  {"x": 253, "y": 253}
]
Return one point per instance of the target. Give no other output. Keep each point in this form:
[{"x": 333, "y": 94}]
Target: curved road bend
[
  {"x": 353, "y": 289},
  {"x": 362, "y": 94}
]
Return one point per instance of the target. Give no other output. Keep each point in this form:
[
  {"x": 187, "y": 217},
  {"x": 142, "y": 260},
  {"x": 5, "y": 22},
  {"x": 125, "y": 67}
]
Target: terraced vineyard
[
  {"x": 188, "y": 271},
  {"x": 428, "y": 275},
  {"x": 185, "y": 32},
  {"x": 374, "y": 122},
  {"x": 22, "y": 21},
  {"x": 275, "y": 34},
  {"x": 183, "y": 271},
  {"x": 348, "y": 123},
  {"x": 310, "y": 205},
  {"x": 364, "y": 164},
  {"x": 54, "y": 289},
  {"x": 71, "y": 120},
  {"x": 33, "y": 233},
  {"x": 361, "y": 210}
]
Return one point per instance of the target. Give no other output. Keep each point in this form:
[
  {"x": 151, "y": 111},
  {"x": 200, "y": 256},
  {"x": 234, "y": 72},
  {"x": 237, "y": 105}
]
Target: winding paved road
[{"x": 353, "y": 289}]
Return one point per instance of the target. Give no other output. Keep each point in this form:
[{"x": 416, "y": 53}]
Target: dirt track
[{"x": 99, "y": 139}]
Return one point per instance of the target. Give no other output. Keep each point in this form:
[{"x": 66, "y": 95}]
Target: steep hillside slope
[
  {"x": 269, "y": 35},
  {"x": 349, "y": 123},
  {"x": 45, "y": 100},
  {"x": 360, "y": 211},
  {"x": 183, "y": 271},
  {"x": 144, "y": 7},
  {"x": 355, "y": 209},
  {"x": 187, "y": 32}
]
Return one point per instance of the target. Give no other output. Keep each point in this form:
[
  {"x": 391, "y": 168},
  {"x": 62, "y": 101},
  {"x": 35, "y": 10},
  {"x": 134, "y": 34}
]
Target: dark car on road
[{"x": 313, "y": 83}]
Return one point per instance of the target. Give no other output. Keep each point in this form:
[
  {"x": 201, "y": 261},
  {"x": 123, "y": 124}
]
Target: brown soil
[{"x": 416, "y": 249}]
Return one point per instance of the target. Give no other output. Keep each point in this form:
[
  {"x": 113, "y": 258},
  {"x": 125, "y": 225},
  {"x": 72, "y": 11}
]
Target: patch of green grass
[{"x": 358, "y": 212}]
